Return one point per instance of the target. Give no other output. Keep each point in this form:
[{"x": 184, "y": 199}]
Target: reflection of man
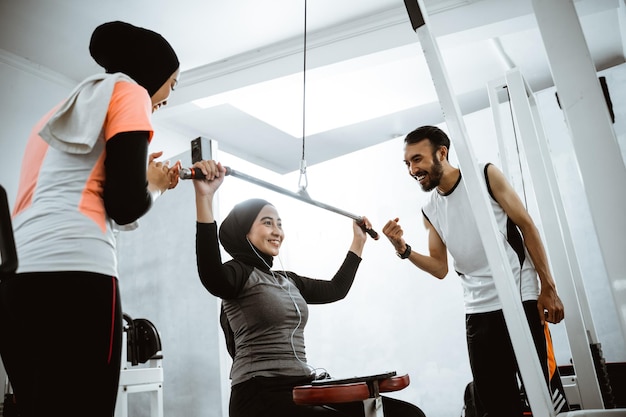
[{"x": 451, "y": 227}]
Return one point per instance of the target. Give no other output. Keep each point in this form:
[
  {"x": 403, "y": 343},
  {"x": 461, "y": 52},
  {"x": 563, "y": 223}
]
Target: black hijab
[
  {"x": 142, "y": 54},
  {"x": 233, "y": 234}
]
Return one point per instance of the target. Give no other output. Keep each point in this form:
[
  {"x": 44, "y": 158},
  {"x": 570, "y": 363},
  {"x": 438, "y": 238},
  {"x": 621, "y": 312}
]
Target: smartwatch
[{"x": 406, "y": 253}]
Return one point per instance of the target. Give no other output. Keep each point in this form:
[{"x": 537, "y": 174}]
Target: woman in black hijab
[
  {"x": 83, "y": 176},
  {"x": 264, "y": 311}
]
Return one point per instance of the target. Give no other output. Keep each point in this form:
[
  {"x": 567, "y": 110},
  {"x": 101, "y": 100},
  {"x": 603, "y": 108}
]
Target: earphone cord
[
  {"x": 293, "y": 348},
  {"x": 293, "y": 332}
]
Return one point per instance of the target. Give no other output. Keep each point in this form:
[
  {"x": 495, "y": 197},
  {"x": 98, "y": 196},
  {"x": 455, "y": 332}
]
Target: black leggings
[
  {"x": 272, "y": 397},
  {"x": 492, "y": 359},
  {"x": 60, "y": 342}
]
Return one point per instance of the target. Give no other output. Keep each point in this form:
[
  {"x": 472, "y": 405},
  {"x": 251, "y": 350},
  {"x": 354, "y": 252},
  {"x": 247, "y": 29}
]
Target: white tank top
[{"x": 451, "y": 216}]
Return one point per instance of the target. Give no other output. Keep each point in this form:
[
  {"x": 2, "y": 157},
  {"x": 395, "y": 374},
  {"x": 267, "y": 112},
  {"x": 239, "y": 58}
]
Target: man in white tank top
[{"x": 452, "y": 228}]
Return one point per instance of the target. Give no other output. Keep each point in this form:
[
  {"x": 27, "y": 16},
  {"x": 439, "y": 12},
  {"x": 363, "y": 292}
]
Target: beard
[{"x": 434, "y": 176}]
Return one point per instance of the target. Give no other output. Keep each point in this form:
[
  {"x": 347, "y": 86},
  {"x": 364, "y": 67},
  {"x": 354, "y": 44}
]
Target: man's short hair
[{"x": 436, "y": 136}]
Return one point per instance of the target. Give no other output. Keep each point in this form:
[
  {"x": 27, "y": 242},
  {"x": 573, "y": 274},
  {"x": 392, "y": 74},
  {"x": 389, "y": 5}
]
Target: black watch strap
[{"x": 406, "y": 253}]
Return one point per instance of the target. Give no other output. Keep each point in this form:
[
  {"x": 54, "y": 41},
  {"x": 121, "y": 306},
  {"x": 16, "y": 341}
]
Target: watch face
[{"x": 406, "y": 253}]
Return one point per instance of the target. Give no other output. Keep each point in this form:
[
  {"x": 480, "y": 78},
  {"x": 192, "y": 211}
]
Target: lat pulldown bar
[{"x": 192, "y": 173}]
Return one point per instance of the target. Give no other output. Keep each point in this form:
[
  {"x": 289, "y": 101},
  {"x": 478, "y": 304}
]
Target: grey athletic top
[{"x": 266, "y": 310}]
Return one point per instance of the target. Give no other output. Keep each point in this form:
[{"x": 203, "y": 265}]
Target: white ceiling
[{"x": 247, "y": 56}]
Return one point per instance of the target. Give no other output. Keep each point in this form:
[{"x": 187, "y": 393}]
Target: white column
[
  {"x": 559, "y": 245},
  {"x": 595, "y": 144}
]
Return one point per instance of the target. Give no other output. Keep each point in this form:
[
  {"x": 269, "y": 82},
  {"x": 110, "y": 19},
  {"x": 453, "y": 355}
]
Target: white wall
[{"x": 28, "y": 92}]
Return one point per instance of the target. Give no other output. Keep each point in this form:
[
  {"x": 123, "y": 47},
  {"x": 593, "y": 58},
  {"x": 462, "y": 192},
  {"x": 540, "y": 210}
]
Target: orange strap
[{"x": 550, "y": 348}]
